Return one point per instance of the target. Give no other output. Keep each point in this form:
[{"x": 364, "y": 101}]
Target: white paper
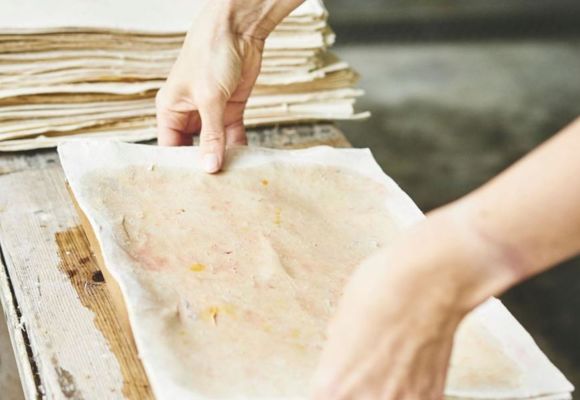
[{"x": 532, "y": 375}]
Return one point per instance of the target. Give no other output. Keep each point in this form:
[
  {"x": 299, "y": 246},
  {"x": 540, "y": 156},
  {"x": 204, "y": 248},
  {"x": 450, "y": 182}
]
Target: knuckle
[
  {"x": 160, "y": 93},
  {"x": 206, "y": 95},
  {"x": 211, "y": 136},
  {"x": 161, "y": 98},
  {"x": 168, "y": 119},
  {"x": 173, "y": 96}
]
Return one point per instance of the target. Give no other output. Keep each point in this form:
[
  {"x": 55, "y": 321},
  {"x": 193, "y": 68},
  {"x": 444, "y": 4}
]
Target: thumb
[{"x": 212, "y": 139}]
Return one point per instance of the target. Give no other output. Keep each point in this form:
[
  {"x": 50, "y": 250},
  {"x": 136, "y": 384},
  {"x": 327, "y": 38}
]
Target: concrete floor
[{"x": 447, "y": 117}]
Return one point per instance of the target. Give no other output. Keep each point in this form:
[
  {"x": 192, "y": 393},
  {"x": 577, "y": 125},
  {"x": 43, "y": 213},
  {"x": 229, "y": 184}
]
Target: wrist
[
  {"x": 446, "y": 260},
  {"x": 480, "y": 266}
]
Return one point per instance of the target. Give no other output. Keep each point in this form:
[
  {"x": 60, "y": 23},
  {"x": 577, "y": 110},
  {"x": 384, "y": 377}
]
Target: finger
[
  {"x": 175, "y": 126},
  {"x": 236, "y": 134},
  {"x": 212, "y": 136}
]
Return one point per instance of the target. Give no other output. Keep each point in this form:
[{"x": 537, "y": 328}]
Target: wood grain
[
  {"x": 72, "y": 356},
  {"x": 81, "y": 268},
  {"x": 66, "y": 335}
]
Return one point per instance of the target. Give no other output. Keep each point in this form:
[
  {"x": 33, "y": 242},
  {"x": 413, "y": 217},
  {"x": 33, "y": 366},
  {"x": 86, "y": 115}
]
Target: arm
[
  {"x": 208, "y": 87},
  {"x": 405, "y": 303},
  {"x": 531, "y": 213}
]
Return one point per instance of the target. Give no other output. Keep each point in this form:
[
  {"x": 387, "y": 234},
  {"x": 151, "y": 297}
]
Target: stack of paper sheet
[{"x": 79, "y": 68}]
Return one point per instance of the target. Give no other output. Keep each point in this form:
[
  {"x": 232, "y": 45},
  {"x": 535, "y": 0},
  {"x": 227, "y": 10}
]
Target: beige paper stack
[{"x": 73, "y": 69}]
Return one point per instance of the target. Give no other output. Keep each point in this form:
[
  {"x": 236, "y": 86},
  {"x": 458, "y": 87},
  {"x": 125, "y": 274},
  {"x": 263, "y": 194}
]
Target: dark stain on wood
[
  {"x": 78, "y": 263},
  {"x": 66, "y": 381},
  {"x": 98, "y": 277}
]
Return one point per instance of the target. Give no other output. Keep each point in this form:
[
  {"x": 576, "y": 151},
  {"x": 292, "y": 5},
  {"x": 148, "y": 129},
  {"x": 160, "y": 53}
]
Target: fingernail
[{"x": 210, "y": 163}]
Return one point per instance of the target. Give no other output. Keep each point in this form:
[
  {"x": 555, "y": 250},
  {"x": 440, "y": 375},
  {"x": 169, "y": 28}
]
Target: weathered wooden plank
[
  {"x": 299, "y": 136},
  {"x": 291, "y": 136},
  {"x": 71, "y": 326},
  {"x": 16, "y": 162},
  {"x": 71, "y": 346}
]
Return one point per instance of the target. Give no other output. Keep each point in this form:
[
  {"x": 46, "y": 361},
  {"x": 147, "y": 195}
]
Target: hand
[
  {"x": 208, "y": 87},
  {"x": 390, "y": 340},
  {"x": 210, "y": 82},
  {"x": 392, "y": 336}
]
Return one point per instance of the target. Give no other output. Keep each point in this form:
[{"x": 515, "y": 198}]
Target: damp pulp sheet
[{"x": 227, "y": 282}]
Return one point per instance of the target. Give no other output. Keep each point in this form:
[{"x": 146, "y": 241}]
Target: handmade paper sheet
[{"x": 228, "y": 281}]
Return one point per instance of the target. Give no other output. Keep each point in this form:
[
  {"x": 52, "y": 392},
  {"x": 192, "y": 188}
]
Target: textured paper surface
[
  {"x": 229, "y": 280},
  {"x": 153, "y": 15}
]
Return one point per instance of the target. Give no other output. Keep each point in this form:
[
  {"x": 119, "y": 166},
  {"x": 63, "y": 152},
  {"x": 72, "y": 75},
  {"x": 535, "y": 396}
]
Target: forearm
[
  {"x": 522, "y": 222},
  {"x": 393, "y": 333}
]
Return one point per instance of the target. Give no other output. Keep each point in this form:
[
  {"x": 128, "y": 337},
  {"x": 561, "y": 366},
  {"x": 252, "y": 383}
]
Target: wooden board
[{"x": 64, "y": 331}]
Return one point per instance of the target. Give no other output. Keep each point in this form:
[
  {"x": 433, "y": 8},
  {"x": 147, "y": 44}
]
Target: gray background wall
[{"x": 452, "y": 19}]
